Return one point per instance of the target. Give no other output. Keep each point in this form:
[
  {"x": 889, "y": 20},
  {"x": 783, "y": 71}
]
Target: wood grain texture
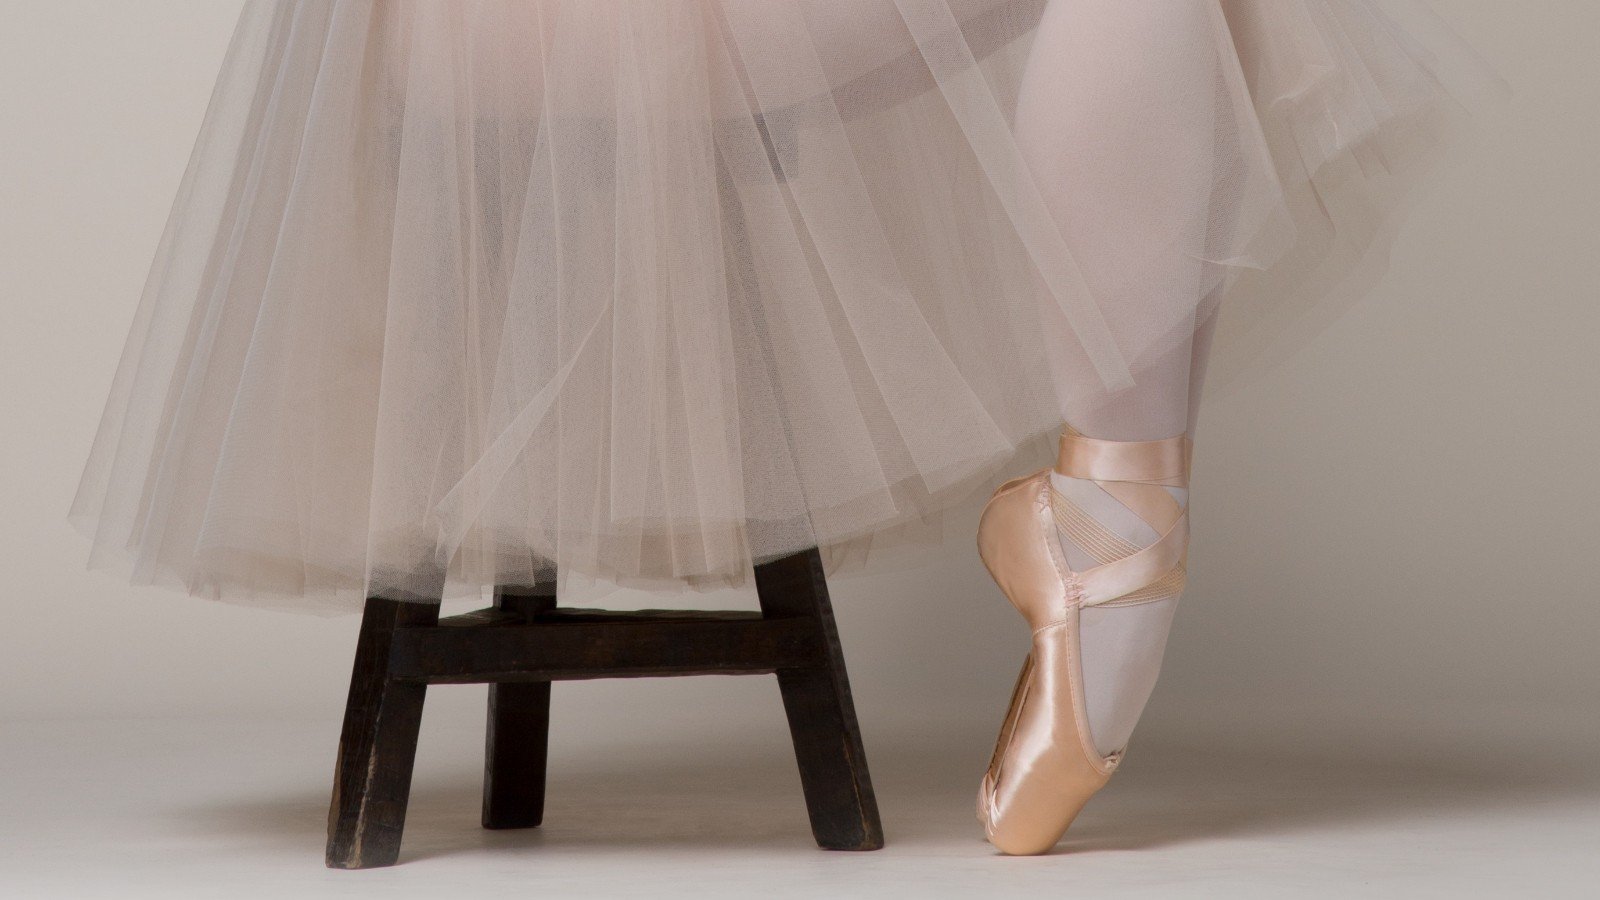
[
  {"x": 378, "y": 744},
  {"x": 517, "y": 738},
  {"x": 821, "y": 712}
]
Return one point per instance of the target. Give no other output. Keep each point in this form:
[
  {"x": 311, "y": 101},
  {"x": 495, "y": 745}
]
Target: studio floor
[{"x": 217, "y": 808}]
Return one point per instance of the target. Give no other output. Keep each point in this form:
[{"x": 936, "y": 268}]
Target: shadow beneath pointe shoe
[
  {"x": 1170, "y": 793},
  {"x": 734, "y": 805}
]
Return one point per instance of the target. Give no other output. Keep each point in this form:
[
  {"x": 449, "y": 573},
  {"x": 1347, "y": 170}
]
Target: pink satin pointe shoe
[{"x": 1045, "y": 766}]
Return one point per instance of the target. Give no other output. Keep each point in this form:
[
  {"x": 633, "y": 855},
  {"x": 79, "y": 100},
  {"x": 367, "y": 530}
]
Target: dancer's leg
[{"x": 1116, "y": 120}]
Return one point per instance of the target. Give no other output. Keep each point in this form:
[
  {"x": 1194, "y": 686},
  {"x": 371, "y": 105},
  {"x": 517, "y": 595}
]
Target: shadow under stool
[{"x": 524, "y": 642}]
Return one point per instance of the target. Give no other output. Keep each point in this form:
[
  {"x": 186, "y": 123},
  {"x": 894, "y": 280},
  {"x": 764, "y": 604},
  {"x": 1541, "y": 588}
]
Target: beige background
[{"x": 1393, "y": 587}]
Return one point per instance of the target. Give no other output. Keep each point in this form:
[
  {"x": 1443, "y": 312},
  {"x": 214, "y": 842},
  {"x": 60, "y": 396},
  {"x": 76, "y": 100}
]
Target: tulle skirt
[{"x": 464, "y": 294}]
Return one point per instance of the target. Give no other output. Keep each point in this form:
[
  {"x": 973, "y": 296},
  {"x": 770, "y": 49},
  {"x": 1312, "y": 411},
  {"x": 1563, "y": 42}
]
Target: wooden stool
[{"x": 524, "y": 642}]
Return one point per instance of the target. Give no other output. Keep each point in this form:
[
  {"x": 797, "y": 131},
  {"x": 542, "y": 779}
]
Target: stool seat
[{"x": 524, "y": 642}]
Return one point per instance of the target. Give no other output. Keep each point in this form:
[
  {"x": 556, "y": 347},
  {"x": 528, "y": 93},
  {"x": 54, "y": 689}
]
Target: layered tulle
[{"x": 462, "y": 294}]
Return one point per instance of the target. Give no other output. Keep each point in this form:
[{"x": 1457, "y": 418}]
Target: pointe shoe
[{"x": 1045, "y": 766}]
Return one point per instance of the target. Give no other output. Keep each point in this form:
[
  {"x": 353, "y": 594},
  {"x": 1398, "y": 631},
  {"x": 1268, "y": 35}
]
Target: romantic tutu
[{"x": 465, "y": 294}]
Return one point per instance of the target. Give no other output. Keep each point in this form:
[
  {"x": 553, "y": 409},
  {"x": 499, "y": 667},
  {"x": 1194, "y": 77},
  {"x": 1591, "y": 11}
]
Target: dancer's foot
[{"x": 1048, "y": 762}]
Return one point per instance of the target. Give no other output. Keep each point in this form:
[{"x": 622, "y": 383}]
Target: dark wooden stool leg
[
  {"x": 822, "y": 717},
  {"x": 518, "y": 736},
  {"x": 378, "y": 746}
]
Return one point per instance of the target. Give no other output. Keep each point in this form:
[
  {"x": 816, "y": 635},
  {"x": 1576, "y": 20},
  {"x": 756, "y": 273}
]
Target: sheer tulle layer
[{"x": 457, "y": 293}]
